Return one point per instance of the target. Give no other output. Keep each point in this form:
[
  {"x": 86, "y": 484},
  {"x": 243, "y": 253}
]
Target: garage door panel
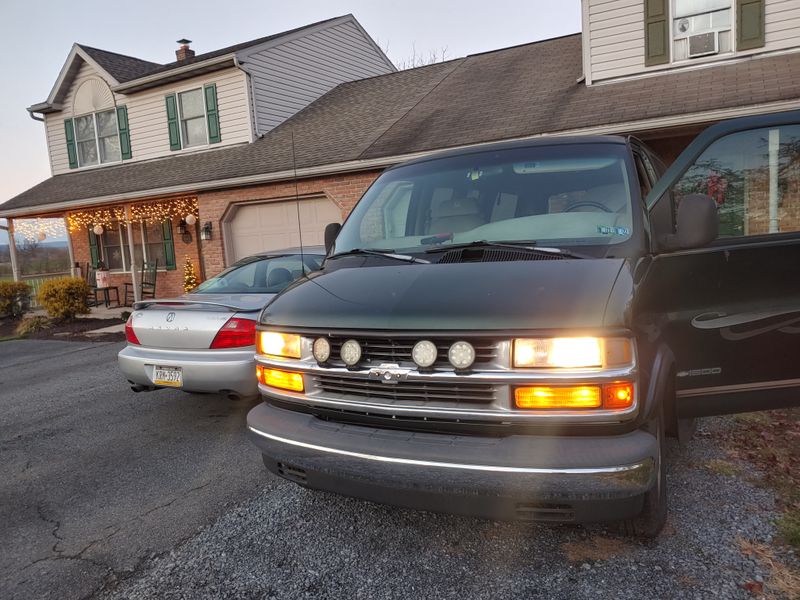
[{"x": 273, "y": 225}]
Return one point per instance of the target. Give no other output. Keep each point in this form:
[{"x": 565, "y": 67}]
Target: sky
[{"x": 35, "y": 42}]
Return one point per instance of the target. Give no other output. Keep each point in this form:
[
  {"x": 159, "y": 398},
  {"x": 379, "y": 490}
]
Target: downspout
[{"x": 252, "y": 94}]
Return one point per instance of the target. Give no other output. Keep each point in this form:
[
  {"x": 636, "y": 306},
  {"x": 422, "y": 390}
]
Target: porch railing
[{"x": 36, "y": 281}]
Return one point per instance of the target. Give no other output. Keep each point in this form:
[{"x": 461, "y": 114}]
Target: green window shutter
[
  {"x": 172, "y": 123},
  {"x": 72, "y": 154},
  {"x": 749, "y": 24},
  {"x": 94, "y": 250},
  {"x": 169, "y": 245},
  {"x": 212, "y": 114},
  {"x": 124, "y": 132},
  {"x": 656, "y": 32}
]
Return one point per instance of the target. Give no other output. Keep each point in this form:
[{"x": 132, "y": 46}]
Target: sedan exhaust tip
[{"x": 141, "y": 388}]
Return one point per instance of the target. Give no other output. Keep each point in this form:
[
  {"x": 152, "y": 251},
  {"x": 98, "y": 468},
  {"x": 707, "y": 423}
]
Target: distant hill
[{"x": 53, "y": 244}]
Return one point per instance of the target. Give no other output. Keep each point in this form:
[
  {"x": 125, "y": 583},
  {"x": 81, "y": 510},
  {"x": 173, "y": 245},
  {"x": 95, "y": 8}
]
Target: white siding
[
  {"x": 616, "y": 34},
  {"x": 289, "y": 76},
  {"x": 147, "y": 116}
]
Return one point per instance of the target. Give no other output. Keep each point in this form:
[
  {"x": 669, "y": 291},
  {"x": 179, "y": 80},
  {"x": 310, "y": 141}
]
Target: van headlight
[
  {"x": 281, "y": 345},
  {"x": 572, "y": 352}
]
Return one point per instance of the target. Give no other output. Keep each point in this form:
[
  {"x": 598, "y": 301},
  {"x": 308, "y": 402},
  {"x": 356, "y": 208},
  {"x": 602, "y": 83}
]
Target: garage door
[{"x": 273, "y": 225}]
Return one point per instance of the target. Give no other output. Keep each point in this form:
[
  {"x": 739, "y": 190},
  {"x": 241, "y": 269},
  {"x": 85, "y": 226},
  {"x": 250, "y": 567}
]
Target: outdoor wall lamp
[
  {"x": 205, "y": 231},
  {"x": 181, "y": 228}
]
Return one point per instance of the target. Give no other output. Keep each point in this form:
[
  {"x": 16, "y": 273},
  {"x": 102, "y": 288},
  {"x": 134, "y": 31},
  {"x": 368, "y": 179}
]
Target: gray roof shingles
[
  {"x": 120, "y": 67},
  {"x": 515, "y": 92}
]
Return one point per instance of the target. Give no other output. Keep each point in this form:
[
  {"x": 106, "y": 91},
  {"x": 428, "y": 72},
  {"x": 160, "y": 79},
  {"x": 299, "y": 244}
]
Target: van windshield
[{"x": 560, "y": 195}]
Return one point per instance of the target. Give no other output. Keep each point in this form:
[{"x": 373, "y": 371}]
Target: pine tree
[{"x": 190, "y": 279}]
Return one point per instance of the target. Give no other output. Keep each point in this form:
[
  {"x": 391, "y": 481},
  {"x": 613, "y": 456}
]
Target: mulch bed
[{"x": 72, "y": 331}]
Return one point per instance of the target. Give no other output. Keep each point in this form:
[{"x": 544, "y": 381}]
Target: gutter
[
  {"x": 387, "y": 161},
  {"x": 149, "y": 80}
]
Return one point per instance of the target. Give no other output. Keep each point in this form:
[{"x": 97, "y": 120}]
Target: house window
[
  {"x": 701, "y": 28},
  {"x": 149, "y": 244},
  {"x": 192, "y": 118},
  {"x": 97, "y": 138}
]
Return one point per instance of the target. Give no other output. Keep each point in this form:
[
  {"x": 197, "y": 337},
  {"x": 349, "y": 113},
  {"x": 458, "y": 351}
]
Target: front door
[{"x": 730, "y": 311}]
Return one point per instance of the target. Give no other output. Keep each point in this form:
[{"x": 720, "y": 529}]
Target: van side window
[{"x": 754, "y": 178}]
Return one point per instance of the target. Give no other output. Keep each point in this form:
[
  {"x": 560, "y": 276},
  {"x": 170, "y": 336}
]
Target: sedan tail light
[
  {"x": 130, "y": 334},
  {"x": 235, "y": 334}
]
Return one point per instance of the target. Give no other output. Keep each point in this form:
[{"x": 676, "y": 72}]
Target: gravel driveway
[
  {"x": 293, "y": 543},
  {"x": 110, "y": 494}
]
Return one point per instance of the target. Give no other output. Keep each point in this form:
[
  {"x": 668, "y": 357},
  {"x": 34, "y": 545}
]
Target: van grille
[
  {"x": 398, "y": 350},
  {"x": 410, "y": 393}
]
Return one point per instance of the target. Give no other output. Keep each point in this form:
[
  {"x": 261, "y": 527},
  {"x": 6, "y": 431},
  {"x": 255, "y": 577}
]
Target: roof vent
[{"x": 184, "y": 52}]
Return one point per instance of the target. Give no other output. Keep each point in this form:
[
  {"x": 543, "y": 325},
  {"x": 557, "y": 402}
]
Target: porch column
[
  {"x": 136, "y": 293},
  {"x": 12, "y": 249},
  {"x": 72, "y": 269}
]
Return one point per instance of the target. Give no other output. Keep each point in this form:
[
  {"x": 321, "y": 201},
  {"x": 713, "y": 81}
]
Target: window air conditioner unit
[{"x": 703, "y": 44}]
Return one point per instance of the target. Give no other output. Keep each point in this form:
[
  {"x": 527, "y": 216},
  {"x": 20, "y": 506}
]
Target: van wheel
[{"x": 650, "y": 522}]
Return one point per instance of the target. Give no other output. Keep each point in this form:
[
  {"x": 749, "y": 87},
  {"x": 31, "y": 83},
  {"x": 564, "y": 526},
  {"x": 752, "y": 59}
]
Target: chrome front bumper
[
  {"x": 213, "y": 371},
  {"x": 554, "y": 478}
]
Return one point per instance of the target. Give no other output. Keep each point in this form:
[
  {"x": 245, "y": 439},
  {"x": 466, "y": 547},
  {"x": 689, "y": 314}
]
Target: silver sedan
[{"x": 204, "y": 341}]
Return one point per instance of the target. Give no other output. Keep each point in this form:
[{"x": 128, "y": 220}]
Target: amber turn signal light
[
  {"x": 613, "y": 396},
  {"x": 284, "y": 380}
]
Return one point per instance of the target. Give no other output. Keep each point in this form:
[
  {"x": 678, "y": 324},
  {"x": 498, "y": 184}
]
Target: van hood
[{"x": 551, "y": 294}]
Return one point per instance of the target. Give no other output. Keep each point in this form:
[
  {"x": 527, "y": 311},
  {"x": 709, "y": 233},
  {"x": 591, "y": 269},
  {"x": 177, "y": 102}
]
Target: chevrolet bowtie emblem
[{"x": 390, "y": 374}]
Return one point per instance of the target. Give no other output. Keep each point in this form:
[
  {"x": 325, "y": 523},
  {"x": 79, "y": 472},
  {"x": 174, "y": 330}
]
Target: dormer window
[{"x": 97, "y": 138}]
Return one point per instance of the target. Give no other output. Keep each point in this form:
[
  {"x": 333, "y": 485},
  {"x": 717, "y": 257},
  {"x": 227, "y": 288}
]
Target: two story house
[{"x": 246, "y": 163}]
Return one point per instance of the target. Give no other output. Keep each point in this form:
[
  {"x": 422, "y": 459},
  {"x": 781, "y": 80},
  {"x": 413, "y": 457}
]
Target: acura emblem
[{"x": 170, "y": 317}]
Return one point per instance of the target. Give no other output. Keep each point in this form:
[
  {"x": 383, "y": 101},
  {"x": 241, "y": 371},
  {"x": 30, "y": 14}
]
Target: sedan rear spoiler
[{"x": 230, "y": 307}]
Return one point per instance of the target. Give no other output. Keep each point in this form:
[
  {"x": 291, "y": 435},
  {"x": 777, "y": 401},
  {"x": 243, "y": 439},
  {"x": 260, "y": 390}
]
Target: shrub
[
  {"x": 33, "y": 325},
  {"x": 14, "y": 298},
  {"x": 64, "y": 298}
]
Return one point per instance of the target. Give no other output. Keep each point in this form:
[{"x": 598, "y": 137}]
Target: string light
[
  {"x": 39, "y": 228},
  {"x": 146, "y": 212}
]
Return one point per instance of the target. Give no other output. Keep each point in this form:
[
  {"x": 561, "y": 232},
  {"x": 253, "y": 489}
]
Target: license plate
[{"x": 171, "y": 376}]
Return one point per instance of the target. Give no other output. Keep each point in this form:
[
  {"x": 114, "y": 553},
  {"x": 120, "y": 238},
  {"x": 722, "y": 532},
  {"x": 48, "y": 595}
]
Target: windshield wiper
[
  {"x": 385, "y": 252},
  {"x": 523, "y": 245}
]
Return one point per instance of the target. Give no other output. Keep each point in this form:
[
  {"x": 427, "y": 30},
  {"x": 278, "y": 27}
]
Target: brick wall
[
  {"x": 168, "y": 283},
  {"x": 344, "y": 190}
]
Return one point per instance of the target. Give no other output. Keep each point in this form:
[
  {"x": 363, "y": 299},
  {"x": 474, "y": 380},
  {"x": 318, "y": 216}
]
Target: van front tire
[{"x": 649, "y": 523}]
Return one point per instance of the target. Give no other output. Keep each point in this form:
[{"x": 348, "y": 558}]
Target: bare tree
[{"x": 419, "y": 59}]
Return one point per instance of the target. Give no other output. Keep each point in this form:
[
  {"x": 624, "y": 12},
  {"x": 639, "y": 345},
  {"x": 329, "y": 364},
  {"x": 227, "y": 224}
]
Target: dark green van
[{"x": 511, "y": 330}]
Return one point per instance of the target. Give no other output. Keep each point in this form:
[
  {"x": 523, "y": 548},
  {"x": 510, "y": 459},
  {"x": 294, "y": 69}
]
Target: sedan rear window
[{"x": 260, "y": 275}]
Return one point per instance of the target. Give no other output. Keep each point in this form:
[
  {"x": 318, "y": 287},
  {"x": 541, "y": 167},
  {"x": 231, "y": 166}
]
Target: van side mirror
[
  {"x": 331, "y": 231},
  {"x": 697, "y": 224}
]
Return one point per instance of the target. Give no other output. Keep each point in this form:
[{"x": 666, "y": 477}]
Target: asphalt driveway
[
  {"x": 109, "y": 494},
  {"x": 95, "y": 479}
]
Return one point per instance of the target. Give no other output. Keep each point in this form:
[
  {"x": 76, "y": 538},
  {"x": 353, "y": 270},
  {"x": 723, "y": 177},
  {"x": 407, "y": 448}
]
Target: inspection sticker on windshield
[
  {"x": 171, "y": 376},
  {"x": 605, "y": 230}
]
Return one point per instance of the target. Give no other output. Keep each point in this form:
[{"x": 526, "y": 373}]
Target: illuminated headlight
[
  {"x": 577, "y": 352},
  {"x": 322, "y": 350},
  {"x": 351, "y": 353},
  {"x": 424, "y": 353},
  {"x": 282, "y": 345},
  {"x": 461, "y": 355}
]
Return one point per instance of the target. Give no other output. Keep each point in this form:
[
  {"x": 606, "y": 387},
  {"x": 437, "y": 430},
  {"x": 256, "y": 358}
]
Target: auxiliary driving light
[
  {"x": 424, "y": 353},
  {"x": 351, "y": 353},
  {"x": 461, "y": 355},
  {"x": 321, "y": 350}
]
